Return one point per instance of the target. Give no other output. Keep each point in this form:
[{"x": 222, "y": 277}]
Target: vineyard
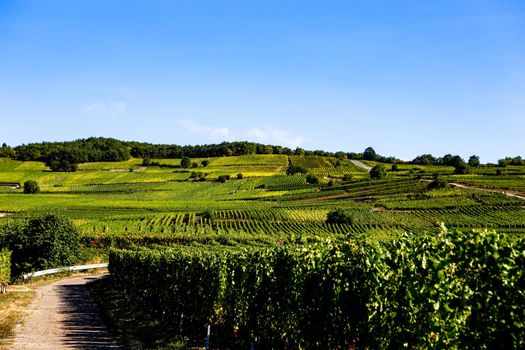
[{"x": 199, "y": 240}]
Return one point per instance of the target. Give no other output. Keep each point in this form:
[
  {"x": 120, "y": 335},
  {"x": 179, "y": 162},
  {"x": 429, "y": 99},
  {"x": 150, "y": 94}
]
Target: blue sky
[{"x": 406, "y": 77}]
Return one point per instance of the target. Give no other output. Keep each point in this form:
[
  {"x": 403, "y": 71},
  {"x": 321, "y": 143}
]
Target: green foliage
[
  {"x": 438, "y": 183},
  {"x": 295, "y": 169},
  {"x": 461, "y": 168},
  {"x": 339, "y": 216},
  {"x": 185, "y": 162},
  {"x": 473, "y": 161},
  {"x": 5, "y": 266},
  {"x": 223, "y": 178},
  {"x": 146, "y": 162},
  {"x": 31, "y": 187},
  {"x": 41, "y": 242},
  {"x": 205, "y": 162},
  {"x": 378, "y": 172},
  {"x": 369, "y": 154},
  {"x": 448, "y": 290},
  {"x": 239, "y": 176},
  {"x": 312, "y": 179}
]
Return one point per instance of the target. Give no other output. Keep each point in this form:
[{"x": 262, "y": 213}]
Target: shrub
[
  {"x": 339, "y": 216},
  {"x": 42, "y": 242},
  {"x": 295, "y": 169},
  {"x": 438, "y": 182},
  {"x": 185, "y": 162},
  {"x": 311, "y": 179},
  {"x": 239, "y": 176},
  {"x": 146, "y": 162},
  {"x": 205, "y": 162},
  {"x": 378, "y": 172},
  {"x": 31, "y": 187}
]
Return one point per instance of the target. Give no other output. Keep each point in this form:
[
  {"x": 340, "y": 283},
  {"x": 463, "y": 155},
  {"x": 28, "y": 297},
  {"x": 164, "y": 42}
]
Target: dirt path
[
  {"x": 509, "y": 194},
  {"x": 63, "y": 316},
  {"x": 361, "y": 165}
]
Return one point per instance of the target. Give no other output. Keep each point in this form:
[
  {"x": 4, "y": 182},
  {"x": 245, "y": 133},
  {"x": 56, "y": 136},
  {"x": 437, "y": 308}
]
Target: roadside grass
[
  {"x": 134, "y": 326},
  {"x": 13, "y": 305}
]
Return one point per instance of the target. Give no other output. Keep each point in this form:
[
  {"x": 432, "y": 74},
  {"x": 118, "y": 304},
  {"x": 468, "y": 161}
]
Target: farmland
[
  {"x": 125, "y": 198},
  {"x": 226, "y": 220}
]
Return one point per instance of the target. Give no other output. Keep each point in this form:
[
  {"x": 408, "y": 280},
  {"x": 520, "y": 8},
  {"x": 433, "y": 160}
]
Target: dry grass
[{"x": 13, "y": 306}]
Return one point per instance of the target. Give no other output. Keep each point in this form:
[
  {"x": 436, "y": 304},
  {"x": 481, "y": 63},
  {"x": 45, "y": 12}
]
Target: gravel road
[{"x": 63, "y": 316}]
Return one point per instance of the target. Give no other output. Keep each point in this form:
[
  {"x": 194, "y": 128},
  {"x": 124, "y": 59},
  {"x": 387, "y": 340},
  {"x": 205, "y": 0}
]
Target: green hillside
[{"x": 129, "y": 199}]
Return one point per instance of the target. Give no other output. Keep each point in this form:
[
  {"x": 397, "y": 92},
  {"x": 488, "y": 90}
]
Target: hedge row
[{"x": 452, "y": 290}]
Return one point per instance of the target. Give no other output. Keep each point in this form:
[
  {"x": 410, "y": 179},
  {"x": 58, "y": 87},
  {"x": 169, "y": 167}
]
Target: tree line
[{"x": 64, "y": 156}]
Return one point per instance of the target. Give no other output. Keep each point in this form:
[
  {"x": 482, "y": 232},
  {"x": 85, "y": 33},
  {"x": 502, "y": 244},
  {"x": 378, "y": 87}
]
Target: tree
[
  {"x": 339, "y": 216},
  {"x": 369, "y": 154},
  {"x": 394, "y": 167},
  {"x": 460, "y": 167},
  {"x": 31, "y": 187},
  {"x": 378, "y": 172},
  {"x": 185, "y": 162},
  {"x": 146, "y": 161},
  {"x": 473, "y": 161},
  {"x": 295, "y": 169},
  {"x": 239, "y": 176},
  {"x": 42, "y": 242},
  {"x": 437, "y": 182},
  {"x": 205, "y": 162}
]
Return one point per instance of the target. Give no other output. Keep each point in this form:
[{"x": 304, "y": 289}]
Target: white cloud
[
  {"x": 215, "y": 133},
  {"x": 112, "y": 108},
  {"x": 275, "y": 137}
]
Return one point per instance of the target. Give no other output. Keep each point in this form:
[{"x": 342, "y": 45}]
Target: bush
[
  {"x": 31, "y": 187},
  {"x": 339, "y": 216},
  {"x": 311, "y": 179},
  {"x": 223, "y": 178},
  {"x": 295, "y": 169},
  {"x": 42, "y": 242},
  {"x": 394, "y": 167},
  {"x": 205, "y": 162},
  {"x": 378, "y": 172},
  {"x": 146, "y": 162},
  {"x": 438, "y": 182},
  {"x": 461, "y": 168},
  {"x": 239, "y": 176},
  {"x": 185, "y": 162}
]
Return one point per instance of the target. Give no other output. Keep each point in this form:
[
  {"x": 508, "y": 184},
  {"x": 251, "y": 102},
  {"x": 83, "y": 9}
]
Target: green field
[{"x": 111, "y": 199}]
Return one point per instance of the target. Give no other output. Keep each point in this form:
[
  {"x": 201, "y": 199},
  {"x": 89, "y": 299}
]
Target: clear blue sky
[{"x": 406, "y": 77}]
